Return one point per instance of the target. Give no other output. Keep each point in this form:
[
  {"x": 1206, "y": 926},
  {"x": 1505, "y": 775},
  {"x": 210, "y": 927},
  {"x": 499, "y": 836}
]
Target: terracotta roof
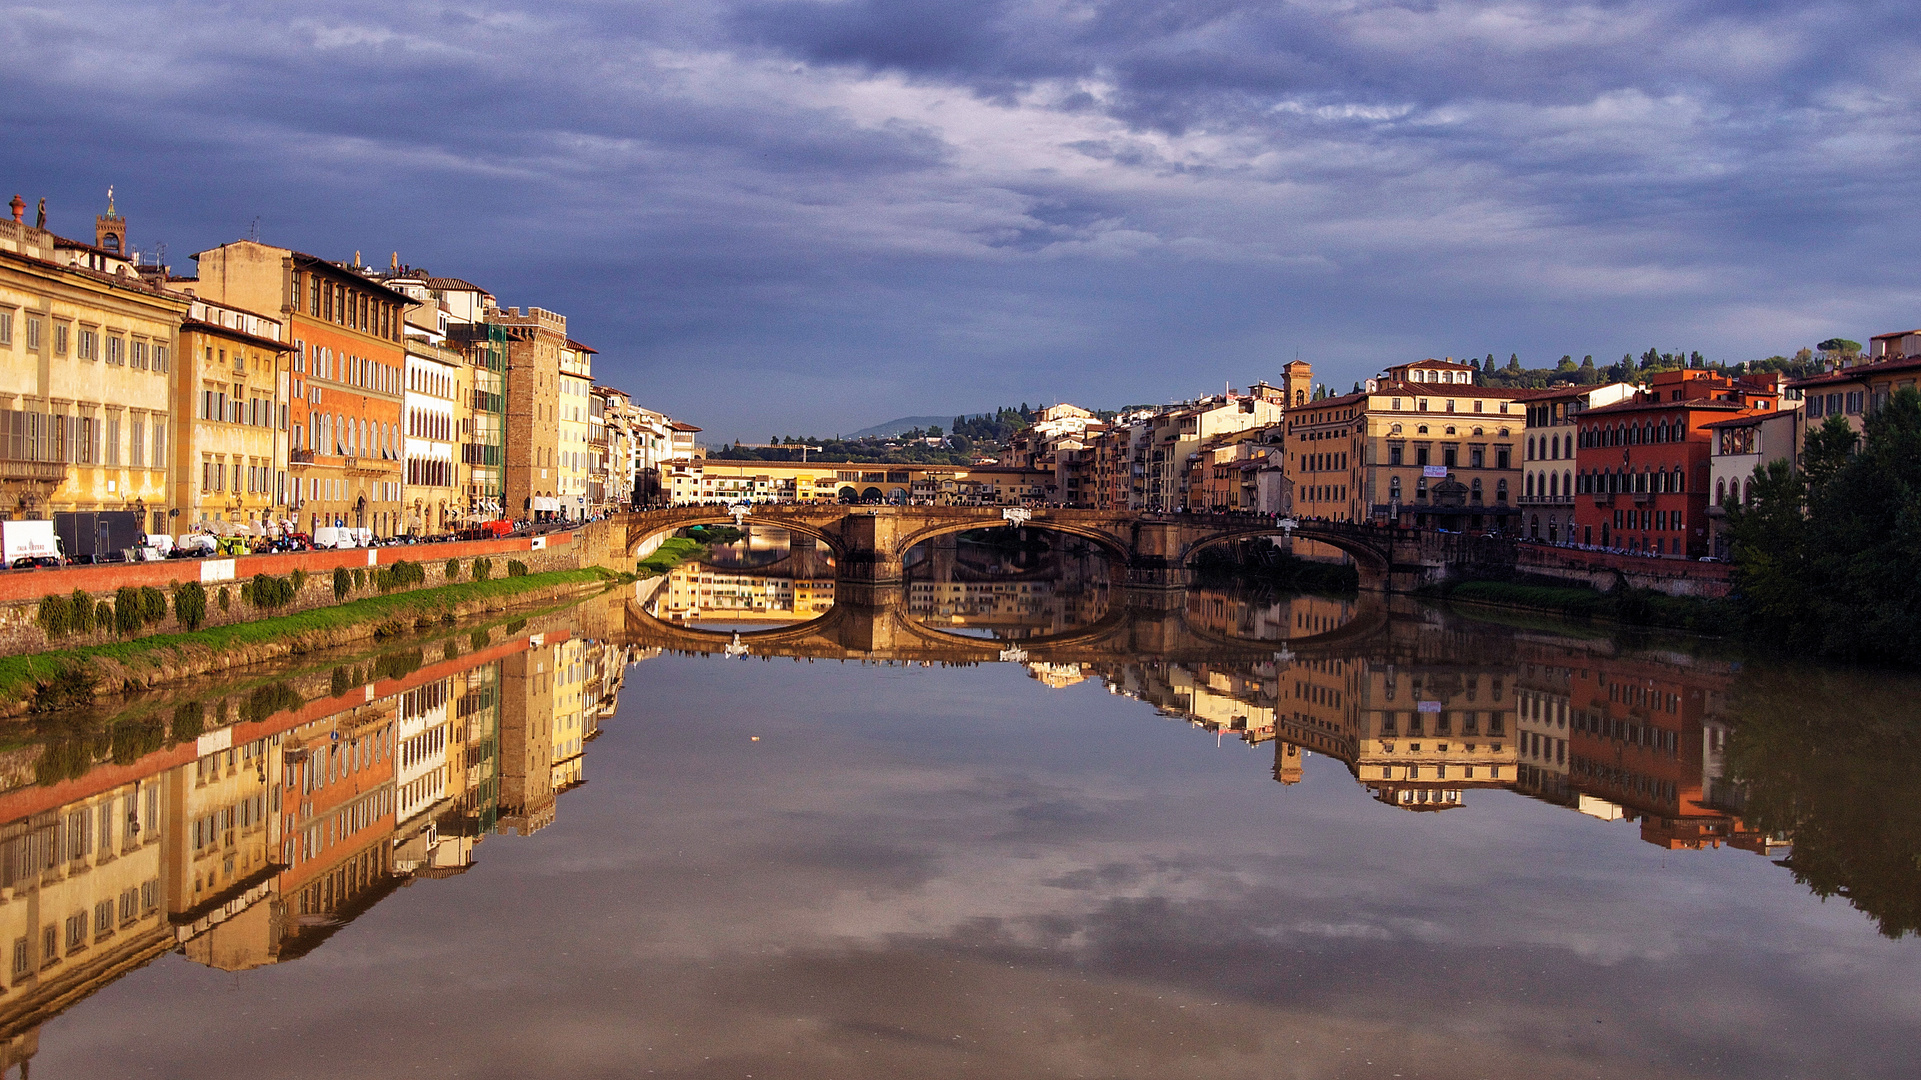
[
  {"x": 1896, "y": 334},
  {"x": 578, "y": 347},
  {"x": 1650, "y": 405},
  {"x": 210, "y": 327},
  {"x": 454, "y": 284},
  {"x": 679, "y": 426},
  {"x": 1506, "y": 393}
]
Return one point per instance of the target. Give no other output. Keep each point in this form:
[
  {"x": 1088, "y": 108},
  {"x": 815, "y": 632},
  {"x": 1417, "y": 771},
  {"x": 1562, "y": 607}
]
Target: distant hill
[{"x": 905, "y": 423}]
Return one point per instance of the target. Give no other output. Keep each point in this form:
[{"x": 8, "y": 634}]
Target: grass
[
  {"x": 672, "y": 552},
  {"x": 21, "y": 675}
]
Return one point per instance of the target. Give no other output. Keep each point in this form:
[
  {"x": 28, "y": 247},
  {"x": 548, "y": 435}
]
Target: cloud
[{"x": 896, "y": 206}]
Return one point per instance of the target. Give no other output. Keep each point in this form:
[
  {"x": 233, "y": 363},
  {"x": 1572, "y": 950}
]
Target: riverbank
[
  {"x": 60, "y": 678},
  {"x": 1626, "y": 606}
]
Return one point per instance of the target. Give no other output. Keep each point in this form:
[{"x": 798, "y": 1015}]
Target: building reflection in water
[
  {"x": 770, "y": 578},
  {"x": 1007, "y": 584},
  {"x": 245, "y": 829}
]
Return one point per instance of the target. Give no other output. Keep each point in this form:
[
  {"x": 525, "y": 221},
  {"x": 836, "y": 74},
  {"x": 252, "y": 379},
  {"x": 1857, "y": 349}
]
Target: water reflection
[
  {"x": 916, "y": 854},
  {"x": 243, "y": 829},
  {"x": 1008, "y": 584},
  {"x": 770, "y": 577}
]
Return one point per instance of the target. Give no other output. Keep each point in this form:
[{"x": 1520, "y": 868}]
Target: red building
[{"x": 1642, "y": 468}]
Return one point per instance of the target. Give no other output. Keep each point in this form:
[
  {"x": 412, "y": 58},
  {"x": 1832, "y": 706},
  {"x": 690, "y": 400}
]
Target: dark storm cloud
[{"x": 904, "y": 206}]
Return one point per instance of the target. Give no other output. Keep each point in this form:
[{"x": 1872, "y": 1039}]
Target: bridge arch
[
  {"x": 1371, "y": 560},
  {"x": 721, "y": 517},
  {"x": 1115, "y": 547}
]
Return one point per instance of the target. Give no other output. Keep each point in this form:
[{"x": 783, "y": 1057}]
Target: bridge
[
  {"x": 1161, "y": 625},
  {"x": 1152, "y": 551}
]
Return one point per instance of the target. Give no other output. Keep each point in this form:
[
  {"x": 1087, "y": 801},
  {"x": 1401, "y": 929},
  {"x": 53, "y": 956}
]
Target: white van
[{"x": 333, "y": 536}]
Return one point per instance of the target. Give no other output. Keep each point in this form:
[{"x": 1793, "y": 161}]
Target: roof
[
  {"x": 210, "y": 327},
  {"x": 1430, "y": 363},
  {"x": 1858, "y": 372},
  {"x": 1896, "y": 334},
  {"x": 1751, "y": 419},
  {"x": 361, "y": 280},
  {"x": 1552, "y": 392},
  {"x": 680, "y": 426},
  {"x": 578, "y": 347},
  {"x": 454, "y": 284},
  {"x": 1468, "y": 390},
  {"x": 1651, "y": 405}
]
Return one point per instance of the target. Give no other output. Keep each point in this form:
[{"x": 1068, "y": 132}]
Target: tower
[
  {"x": 110, "y": 230},
  {"x": 1297, "y": 379}
]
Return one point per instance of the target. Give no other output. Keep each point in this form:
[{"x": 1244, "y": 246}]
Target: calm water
[{"x": 1018, "y": 823}]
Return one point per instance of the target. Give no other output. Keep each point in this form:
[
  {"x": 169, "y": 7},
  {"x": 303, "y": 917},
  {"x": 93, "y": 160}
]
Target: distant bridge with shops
[{"x": 1149, "y": 550}]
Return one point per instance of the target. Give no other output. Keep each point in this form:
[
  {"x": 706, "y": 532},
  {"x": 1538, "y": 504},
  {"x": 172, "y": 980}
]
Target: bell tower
[
  {"x": 1297, "y": 379},
  {"x": 110, "y": 230}
]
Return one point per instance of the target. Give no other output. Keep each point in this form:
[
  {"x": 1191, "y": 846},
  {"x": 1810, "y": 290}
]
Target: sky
[{"x": 808, "y": 216}]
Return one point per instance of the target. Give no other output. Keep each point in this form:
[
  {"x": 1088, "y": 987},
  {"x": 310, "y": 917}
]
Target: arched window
[
  {"x": 1530, "y": 448},
  {"x": 1500, "y": 491},
  {"x": 1394, "y": 487},
  {"x": 1553, "y": 485},
  {"x": 1747, "y": 492},
  {"x": 1530, "y": 485},
  {"x": 1721, "y": 492},
  {"x": 1680, "y": 480},
  {"x": 1567, "y": 483}
]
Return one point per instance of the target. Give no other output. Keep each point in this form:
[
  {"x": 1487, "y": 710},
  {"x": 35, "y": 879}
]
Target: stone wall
[
  {"x": 1607, "y": 571},
  {"x": 21, "y": 590}
]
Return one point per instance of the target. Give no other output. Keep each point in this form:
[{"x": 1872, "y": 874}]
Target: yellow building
[
  {"x": 230, "y": 463},
  {"x": 1421, "y": 445},
  {"x": 576, "y": 428},
  {"x": 223, "y": 816},
  {"x": 86, "y": 406},
  {"x": 436, "y": 417}
]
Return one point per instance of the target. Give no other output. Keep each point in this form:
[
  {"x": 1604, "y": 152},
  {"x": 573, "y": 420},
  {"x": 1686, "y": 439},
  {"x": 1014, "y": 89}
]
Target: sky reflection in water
[{"x": 824, "y": 869}]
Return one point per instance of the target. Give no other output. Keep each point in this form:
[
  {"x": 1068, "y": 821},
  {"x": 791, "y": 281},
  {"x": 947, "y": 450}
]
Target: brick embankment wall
[
  {"x": 1604, "y": 571},
  {"x": 21, "y": 590}
]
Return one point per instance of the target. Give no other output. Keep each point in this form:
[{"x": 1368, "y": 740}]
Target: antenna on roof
[{"x": 254, "y": 232}]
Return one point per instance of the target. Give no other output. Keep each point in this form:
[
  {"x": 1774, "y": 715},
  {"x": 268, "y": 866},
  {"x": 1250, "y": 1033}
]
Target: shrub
[
  {"x": 477, "y": 640},
  {"x": 268, "y": 700},
  {"x": 126, "y": 610},
  {"x": 483, "y": 569},
  {"x": 516, "y": 568},
  {"x": 516, "y": 626},
  {"x": 339, "y": 683},
  {"x": 453, "y": 569},
  {"x": 343, "y": 583},
  {"x": 267, "y": 591},
  {"x": 360, "y": 579},
  {"x": 81, "y": 617},
  {"x": 397, "y": 665},
  {"x": 449, "y": 650},
  {"x": 132, "y": 740},
  {"x": 226, "y": 602},
  {"x": 153, "y": 605},
  {"x": 298, "y": 579},
  {"x": 54, "y": 616},
  {"x": 190, "y": 604},
  {"x": 103, "y": 615}
]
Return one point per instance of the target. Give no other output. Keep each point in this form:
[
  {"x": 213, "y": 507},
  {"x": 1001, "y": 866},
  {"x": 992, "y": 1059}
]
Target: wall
[
  {"x": 1604, "y": 571},
  {"x": 21, "y": 590}
]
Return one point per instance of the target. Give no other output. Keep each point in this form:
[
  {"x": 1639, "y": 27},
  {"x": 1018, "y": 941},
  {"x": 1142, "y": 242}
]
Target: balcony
[
  {"x": 301, "y": 457},
  {"x": 369, "y": 466},
  {"x": 33, "y": 470}
]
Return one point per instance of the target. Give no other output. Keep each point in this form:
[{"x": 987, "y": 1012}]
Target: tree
[
  {"x": 1840, "y": 345},
  {"x": 1566, "y": 364},
  {"x": 1587, "y": 376},
  {"x": 1828, "y": 558},
  {"x": 1513, "y": 362}
]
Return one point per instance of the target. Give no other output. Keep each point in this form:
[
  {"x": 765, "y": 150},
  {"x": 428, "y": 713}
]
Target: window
[
  {"x": 1855, "y": 402},
  {"x": 1477, "y": 458},
  {"x": 117, "y": 351},
  {"x": 1501, "y": 457},
  {"x": 60, "y": 339},
  {"x": 22, "y": 958},
  {"x": 6, "y": 327},
  {"x": 1420, "y": 455},
  {"x": 160, "y": 441},
  {"x": 103, "y": 918},
  {"x": 88, "y": 345},
  {"x": 33, "y": 332},
  {"x": 112, "y": 456},
  {"x": 1448, "y": 453},
  {"x": 1500, "y": 491},
  {"x": 76, "y": 931},
  {"x": 160, "y": 358}
]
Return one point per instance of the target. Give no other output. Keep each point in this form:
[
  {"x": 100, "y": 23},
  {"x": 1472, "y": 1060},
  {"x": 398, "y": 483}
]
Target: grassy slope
[
  {"x": 671, "y": 553},
  {"x": 20, "y": 674}
]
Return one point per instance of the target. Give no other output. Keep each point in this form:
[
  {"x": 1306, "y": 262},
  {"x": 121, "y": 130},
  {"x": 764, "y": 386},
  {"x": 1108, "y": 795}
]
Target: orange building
[
  {"x": 347, "y": 381},
  {"x": 1642, "y": 468}
]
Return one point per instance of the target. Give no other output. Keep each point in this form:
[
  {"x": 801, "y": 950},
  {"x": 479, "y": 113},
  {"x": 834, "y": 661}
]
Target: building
[
  {"x": 1547, "y": 456},
  {"x": 1853, "y": 393},
  {"x": 230, "y": 449},
  {"x": 1642, "y": 464},
  {"x": 87, "y": 405},
  {"x": 575, "y": 430},
  {"x": 1163, "y": 444},
  {"x": 536, "y": 341},
  {"x": 347, "y": 382},
  {"x": 437, "y": 418},
  {"x": 1737, "y": 448},
  {"x": 1420, "y": 445}
]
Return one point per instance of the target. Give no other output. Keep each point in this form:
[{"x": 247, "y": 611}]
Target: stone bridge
[
  {"x": 1151, "y": 550},
  {"x": 1155, "y": 624}
]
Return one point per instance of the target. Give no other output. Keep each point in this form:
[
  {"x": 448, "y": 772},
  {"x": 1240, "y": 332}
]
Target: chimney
[{"x": 19, "y": 206}]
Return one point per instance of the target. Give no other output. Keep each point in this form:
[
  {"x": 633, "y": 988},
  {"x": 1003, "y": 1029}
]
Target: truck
[
  {"x": 98, "y": 535},
  {"x": 32, "y": 541}
]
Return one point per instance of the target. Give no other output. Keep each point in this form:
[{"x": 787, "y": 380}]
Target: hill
[{"x": 895, "y": 427}]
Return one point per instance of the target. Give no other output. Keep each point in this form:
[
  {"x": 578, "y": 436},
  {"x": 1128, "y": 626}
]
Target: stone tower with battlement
[{"x": 535, "y": 341}]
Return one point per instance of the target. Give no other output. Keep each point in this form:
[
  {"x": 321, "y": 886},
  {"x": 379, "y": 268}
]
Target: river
[{"x": 1014, "y": 821}]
